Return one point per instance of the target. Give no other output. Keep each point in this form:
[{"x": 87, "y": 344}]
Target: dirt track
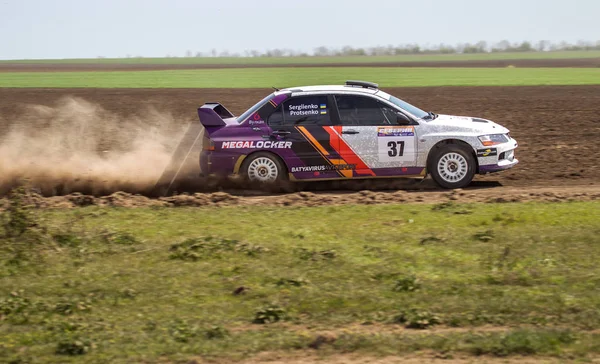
[
  {"x": 558, "y": 128},
  {"x": 310, "y": 199},
  {"x": 81, "y": 67}
]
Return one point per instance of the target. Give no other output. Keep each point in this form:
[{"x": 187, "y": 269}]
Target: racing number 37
[{"x": 396, "y": 148}]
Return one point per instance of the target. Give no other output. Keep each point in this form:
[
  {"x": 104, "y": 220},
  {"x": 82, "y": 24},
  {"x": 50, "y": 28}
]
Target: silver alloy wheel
[
  {"x": 452, "y": 167},
  {"x": 262, "y": 169}
]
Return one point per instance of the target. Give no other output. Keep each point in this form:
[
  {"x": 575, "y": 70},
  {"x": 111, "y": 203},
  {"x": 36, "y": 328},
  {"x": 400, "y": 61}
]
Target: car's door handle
[
  {"x": 350, "y": 131},
  {"x": 281, "y": 132}
]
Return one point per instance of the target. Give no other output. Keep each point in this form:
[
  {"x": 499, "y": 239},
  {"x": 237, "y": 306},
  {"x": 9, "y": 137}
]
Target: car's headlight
[{"x": 493, "y": 139}]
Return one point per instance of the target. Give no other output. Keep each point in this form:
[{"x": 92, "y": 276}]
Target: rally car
[{"x": 347, "y": 132}]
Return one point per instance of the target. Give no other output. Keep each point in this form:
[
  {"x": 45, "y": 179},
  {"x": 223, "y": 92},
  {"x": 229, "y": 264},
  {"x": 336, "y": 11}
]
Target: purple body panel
[
  {"x": 222, "y": 161},
  {"x": 316, "y": 175}
]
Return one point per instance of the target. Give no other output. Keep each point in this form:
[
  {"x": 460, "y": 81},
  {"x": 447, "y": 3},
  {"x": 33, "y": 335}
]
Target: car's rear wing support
[{"x": 213, "y": 113}]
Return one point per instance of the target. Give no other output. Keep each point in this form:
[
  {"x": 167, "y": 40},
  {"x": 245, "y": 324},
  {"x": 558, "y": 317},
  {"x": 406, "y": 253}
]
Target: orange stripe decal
[
  {"x": 345, "y": 172},
  {"x": 313, "y": 140}
]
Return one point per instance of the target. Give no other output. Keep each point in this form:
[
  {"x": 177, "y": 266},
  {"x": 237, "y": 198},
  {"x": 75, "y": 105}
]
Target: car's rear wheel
[
  {"x": 452, "y": 167},
  {"x": 264, "y": 168}
]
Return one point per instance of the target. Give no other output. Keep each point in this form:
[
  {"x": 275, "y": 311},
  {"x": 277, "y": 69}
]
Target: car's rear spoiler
[{"x": 213, "y": 113}]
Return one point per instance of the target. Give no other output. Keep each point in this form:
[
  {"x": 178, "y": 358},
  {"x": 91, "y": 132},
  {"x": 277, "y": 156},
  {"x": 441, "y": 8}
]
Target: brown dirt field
[
  {"x": 557, "y": 128},
  {"x": 82, "y": 67}
]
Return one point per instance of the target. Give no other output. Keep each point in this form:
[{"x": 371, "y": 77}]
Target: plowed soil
[
  {"x": 557, "y": 128},
  {"x": 81, "y": 67}
]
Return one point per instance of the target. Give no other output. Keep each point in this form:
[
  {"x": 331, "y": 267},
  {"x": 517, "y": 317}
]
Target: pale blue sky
[{"x": 116, "y": 28}]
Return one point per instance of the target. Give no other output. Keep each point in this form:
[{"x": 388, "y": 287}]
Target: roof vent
[{"x": 363, "y": 84}]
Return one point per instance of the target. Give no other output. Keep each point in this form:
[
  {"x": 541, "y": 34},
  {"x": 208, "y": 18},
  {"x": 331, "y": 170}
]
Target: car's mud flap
[{"x": 184, "y": 165}]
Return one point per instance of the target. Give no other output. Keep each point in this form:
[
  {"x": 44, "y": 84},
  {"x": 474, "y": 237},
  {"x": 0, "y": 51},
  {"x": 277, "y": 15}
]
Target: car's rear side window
[
  {"x": 302, "y": 110},
  {"x": 364, "y": 111},
  {"x": 254, "y": 108}
]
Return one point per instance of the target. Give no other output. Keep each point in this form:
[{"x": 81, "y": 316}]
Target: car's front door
[
  {"x": 377, "y": 134},
  {"x": 303, "y": 120}
]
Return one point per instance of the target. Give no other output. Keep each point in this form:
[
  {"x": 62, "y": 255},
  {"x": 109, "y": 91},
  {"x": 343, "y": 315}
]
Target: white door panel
[
  {"x": 382, "y": 146},
  {"x": 396, "y": 146}
]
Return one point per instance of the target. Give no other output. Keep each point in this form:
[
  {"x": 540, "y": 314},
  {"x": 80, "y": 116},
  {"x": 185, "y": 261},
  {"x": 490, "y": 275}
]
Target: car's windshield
[
  {"x": 254, "y": 108},
  {"x": 408, "y": 107}
]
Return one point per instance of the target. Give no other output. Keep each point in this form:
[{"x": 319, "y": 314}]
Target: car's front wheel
[
  {"x": 452, "y": 167},
  {"x": 263, "y": 168}
]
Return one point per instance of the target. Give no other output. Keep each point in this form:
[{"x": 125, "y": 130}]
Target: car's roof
[
  {"x": 331, "y": 88},
  {"x": 304, "y": 90}
]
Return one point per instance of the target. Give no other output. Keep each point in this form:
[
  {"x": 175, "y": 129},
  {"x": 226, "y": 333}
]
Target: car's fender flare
[
  {"x": 454, "y": 141},
  {"x": 240, "y": 162}
]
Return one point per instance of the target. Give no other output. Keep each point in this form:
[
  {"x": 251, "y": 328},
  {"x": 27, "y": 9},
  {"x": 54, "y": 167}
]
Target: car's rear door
[
  {"x": 373, "y": 137},
  {"x": 303, "y": 120}
]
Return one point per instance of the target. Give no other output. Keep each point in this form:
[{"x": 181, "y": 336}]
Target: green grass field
[
  {"x": 113, "y": 285},
  {"x": 317, "y": 60},
  {"x": 286, "y": 77}
]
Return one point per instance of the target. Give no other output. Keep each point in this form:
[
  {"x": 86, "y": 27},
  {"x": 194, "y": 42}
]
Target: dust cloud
[{"x": 77, "y": 146}]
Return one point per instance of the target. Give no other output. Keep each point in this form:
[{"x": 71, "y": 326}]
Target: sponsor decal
[
  {"x": 267, "y": 144},
  {"x": 338, "y": 167},
  {"x": 305, "y": 109},
  {"x": 489, "y": 152},
  {"x": 395, "y": 131},
  {"x": 256, "y": 122}
]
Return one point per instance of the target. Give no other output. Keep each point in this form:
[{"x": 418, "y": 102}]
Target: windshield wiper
[{"x": 431, "y": 115}]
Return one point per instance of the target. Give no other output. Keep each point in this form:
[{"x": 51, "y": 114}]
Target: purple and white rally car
[{"x": 349, "y": 132}]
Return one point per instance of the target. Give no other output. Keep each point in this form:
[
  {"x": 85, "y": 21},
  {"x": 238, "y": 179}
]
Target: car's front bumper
[
  {"x": 500, "y": 166},
  {"x": 497, "y": 158}
]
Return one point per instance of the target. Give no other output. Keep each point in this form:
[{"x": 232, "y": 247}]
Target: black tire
[
  {"x": 452, "y": 166},
  {"x": 263, "y": 162}
]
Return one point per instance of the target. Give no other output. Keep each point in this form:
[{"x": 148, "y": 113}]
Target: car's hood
[{"x": 477, "y": 124}]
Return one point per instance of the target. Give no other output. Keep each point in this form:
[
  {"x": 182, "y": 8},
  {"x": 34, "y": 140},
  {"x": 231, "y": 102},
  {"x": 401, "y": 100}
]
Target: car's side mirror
[{"x": 402, "y": 119}]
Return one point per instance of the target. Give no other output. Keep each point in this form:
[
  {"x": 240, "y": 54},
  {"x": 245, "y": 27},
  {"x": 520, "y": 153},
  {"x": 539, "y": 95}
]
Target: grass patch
[
  {"x": 149, "y": 284},
  {"x": 288, "y": 77},
  {"x": 318, "y": 60}
]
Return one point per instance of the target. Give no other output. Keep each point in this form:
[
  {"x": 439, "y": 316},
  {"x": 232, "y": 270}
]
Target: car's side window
[
  {"x": 276, "y": 118},
  {"x": 302, "y": 110},
  {"x": 364, "y": 111}
]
